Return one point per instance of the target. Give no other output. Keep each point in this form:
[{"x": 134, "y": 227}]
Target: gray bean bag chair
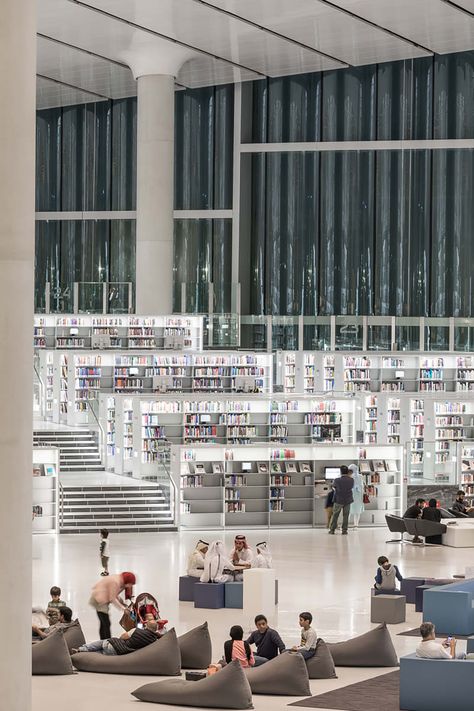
[
  {"x": 161, "y": 658},
  {"x": 372, "y": 649},
  {"x": 227, "y": 689},
  {"x": 286, "y": 675},
  {"x": 321, "y": 666},
  {"x": 196, "y": 648},
  {"x": 74, "y": 635},
  {"x": 51, "y": 656}
]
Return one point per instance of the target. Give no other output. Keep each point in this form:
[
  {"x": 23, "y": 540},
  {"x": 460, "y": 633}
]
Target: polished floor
[{"x": 329, "y": 575}]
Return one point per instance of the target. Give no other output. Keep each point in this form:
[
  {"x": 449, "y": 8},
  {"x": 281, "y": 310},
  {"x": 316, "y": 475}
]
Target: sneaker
[
  {"x": 104, "y": 573},
  {"x": 331, "y": 533},
  {"x": 344, "y": 533}
]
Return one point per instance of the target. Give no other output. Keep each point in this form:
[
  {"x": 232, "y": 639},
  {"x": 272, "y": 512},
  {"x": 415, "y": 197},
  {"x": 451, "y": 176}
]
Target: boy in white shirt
[
  {"x": 309, "y": 638},
  {"x": 429, "y": 648}
]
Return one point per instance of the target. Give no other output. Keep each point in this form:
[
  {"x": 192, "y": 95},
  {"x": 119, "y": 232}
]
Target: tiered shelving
[
  {"x": 417, "y": 434},
  {"x": 309, "y": 374},
  {"x": 72, "y": 332},
  {"x": 431, "y": 375},
  {"x": 87, "y": 372},
  {"x": 170, "y": 372},
  {"x": 141, "y": 332},
  {"x": 464, "y": 374},
  {"x": 201, "y": 478},
  {"x": 129, "y": 372},
  {"x": 391, "y": 367},
  {"x": 45, "y": 490},
  {"x": 329, "y": 367},
  {"x": 127, "y": 437},
  {"x": 357, "y": 373},
  {"x": 370, "y": 434},
  {"x": 63, "y": 386},
  {"x": 393, "y": 420},
  {"x": 110, "y": 426},
  {"x": 109, "y": 332},
  {"x": 289, "y": 376},
  {"x": 49, "y": 385}
]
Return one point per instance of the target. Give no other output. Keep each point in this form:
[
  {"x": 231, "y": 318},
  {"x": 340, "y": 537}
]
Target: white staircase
[
  {"x": 141, "y": 508},
  {"x": 79, "y": 449}
]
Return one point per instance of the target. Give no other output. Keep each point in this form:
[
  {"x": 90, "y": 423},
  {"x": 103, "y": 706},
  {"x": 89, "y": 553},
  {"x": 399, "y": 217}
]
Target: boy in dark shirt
[
  {"x": 117, "y": 646},
  {"x": 267, "y": 641}
]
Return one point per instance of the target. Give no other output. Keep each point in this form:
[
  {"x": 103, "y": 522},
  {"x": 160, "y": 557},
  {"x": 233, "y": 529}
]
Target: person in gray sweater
[
  {"x": 387, "y": 574},
  {"x": 343, "y": 499}
]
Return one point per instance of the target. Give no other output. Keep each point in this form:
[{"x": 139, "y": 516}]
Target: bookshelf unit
[
  {"x": 417, "y": 435},
  {"x": 393, "y": 420},
  {"x": 278, "y": 487},
  {"x": 329, "y": 372},
  {"x": 109, "y": 332},
  {"x": 431, "y": 376},
  {"x": 466, "y": 474},
  {"x": 45, "y": 490},
  {"x": 309, "y": 374},
  {"x": 464, "y": 373},
  {"x": 44, "y": 332},
  {"x": 72, "y": 332},
  {"x": 357, "y": 373},
  {"x": 370, "y": 433}
]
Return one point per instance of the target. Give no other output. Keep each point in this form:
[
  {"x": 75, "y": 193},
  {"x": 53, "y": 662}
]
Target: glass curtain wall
[
  {"x": 364, "y": 232},
  {"x": 203, "y": 181},
  {"x": 85, "y": 161}
]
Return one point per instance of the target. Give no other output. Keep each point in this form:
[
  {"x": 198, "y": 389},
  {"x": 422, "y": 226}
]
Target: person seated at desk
[
  {"x": 217, "y": 567},
  {"x": 65, "y": 621},
  {"x": 459, "y": 506},
  {"x": 241, "y": 555},
  {"x": 415, "y": 511},
  {"x": 432, "y": 513},
  {"x": 196, "y": 559},
  {"x": 263, "y": 559}
]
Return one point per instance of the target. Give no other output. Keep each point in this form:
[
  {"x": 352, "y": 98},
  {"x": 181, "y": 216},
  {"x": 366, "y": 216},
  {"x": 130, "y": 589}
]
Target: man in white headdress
[
  {"x": 263, "y": 559},
  {"x": 196, "y": 559},
  {"x": 241, "y": 555},
  {"x": 216, "y": 565}
]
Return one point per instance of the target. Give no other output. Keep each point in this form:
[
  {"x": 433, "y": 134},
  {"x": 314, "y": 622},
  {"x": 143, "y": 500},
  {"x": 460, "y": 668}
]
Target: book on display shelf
[
  {"x": 217, "y": 468},
  {"x": 291, "y": 468},
  {"x": 305, "y": 468},
  {"x": 262, "y": 467}
]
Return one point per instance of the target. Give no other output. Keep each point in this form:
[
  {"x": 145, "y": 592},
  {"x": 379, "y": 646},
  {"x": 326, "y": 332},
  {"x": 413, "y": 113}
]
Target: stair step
[
  {"x": 76, "y": 518},
  {"x": 121, "y": 528}
]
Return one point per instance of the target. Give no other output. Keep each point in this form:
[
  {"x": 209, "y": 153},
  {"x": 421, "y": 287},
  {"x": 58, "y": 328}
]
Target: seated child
[
  {"x": 386, "y": 575},
  {"x": 55, "y": 601},
  {"x": 236, "y": 648},
  {"x": 309, "y": 638}
]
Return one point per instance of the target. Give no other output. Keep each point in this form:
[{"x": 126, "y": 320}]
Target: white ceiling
[{"x": 83, "y": 52}]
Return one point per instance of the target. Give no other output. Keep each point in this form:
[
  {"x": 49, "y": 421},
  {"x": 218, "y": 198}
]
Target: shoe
[
  {"x": 104, "y": 573},
  {"x": 331, "y": 533},
  {"x": 344, "y": 533}
]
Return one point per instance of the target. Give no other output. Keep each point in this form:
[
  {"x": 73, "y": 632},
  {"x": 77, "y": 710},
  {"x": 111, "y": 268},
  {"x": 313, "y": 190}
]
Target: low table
[{"x": 459, "y": 534}]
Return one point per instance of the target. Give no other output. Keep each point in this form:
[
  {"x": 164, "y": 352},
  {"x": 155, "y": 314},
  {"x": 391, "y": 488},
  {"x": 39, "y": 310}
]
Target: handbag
[
  {"x": 366, "y": 499},
  {"x": 127, "y": 621}
]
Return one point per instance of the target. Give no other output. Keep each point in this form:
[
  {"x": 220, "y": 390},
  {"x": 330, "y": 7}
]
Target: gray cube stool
[
  {"x": 470, "y": 645},
  {"x": 234, "y": 595},
  {"x": 408, "y": 588},
  {"x": 419, "y": 596},
  {"x": 209, "y": 595},
  {"x": 387, "y": 608},
  {"x": 186, "y": 588}
]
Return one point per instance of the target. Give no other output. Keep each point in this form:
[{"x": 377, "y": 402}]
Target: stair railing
[{"x": 92, "y": 404}]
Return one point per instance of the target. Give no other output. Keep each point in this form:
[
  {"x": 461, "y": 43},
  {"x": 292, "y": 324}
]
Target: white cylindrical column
[
  {"x": 155, "y": 194},
  {"x": 17, "y": 229}
]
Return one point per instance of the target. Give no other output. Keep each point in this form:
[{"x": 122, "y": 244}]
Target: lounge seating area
[{"x": 416, "y": 527}]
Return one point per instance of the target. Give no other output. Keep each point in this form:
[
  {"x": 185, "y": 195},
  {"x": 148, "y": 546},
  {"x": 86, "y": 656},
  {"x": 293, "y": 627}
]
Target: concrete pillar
[
  {"x": 17, "y": 229},
  {"x": 155, "y": 194}
]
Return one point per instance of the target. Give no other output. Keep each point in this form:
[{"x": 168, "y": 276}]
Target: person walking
[
  {"x": 107, "y": 591},
  {"x": 343, "y": 499}
]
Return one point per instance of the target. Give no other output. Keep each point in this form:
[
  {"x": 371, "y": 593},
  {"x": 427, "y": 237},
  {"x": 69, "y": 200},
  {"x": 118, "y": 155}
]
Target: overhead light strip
[
  {"x": 370, "y": 23},
  {"x": 162, "y": 36},
  {"x": 267, "y": 30},
  {"x": 73, "y": 86},
  {"x": 458, "y": 8}
]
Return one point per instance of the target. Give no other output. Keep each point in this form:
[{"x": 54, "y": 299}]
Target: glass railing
[{"x": 87, "y": 297}]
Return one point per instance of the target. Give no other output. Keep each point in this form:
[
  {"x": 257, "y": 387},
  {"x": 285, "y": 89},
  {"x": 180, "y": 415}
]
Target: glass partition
[
  {"x": 407, "y": 333},
  {"x": 379, "y": 333},
  {"x": 285, "y": 333},
  {"x": 349, "y": 333},
  {"x": 254, "y": 332},
  {"x": 436, "y": 334},
  {"x": 317, "y": 333}
]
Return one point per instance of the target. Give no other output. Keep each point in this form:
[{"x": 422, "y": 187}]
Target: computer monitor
[
  {"x": 332, "y": 472},
  {"x": 244, "y": 384}
]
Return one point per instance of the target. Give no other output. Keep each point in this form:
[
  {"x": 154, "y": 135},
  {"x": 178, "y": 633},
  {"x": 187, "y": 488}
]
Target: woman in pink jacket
[{"x": 106, "y": 591}]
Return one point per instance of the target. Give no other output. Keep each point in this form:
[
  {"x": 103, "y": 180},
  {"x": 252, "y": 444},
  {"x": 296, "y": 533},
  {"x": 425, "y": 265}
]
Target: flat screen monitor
[
  {"x": 133, "y": 371},
  {"x": 399, "y": 373},
  {"x": 246, "y": 466},
  {"x": 332, "y": 472}
]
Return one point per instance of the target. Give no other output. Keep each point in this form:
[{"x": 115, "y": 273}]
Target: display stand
[{"x": 45, "y": 490}]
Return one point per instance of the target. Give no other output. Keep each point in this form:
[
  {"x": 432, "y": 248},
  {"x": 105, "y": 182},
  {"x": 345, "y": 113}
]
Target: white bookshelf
[
  {"x": 278, "y": 487},
  {"x": 45, "y": 490},
  {"x": 431, "y": 375},
  {"x": 371, "y": 417},
  {"x": 417, "y": 437},
  {"x": 357, "y": 373},
  {"x": 464, "y": 373}
]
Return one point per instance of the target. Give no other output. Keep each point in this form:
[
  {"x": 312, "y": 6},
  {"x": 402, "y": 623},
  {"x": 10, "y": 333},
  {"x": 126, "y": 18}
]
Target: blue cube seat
[
  {"x": 451, "y": 607},
  {"x": 234, "y": 595},
  {"x": 210, "y": 596},
  {"x": 435, "y": 684},
  {"x": 186, "y": 588}
]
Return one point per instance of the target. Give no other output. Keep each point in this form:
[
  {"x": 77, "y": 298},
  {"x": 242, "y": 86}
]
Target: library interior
[{"x": 237, "y": 304}]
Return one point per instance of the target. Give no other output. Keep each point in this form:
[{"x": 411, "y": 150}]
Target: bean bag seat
[
  {"x": 227, "y": 689},
  {"x": 321, "y": 666},
  {"x": 161, "y": 658},
  {"x": 285, "y": 675},
  {"x": 74, "y": 636},
  {"x": 51, "y": 656},
  {"x": 372, "y": 649},
  {"x": 196, "y": 648}
]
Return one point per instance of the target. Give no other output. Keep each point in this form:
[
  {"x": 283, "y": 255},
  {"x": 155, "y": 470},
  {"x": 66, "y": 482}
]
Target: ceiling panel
[
  {"x": 201, "y": 27},
  {"x": 325, "y": 28},
  {"x": 205, "y": 71},
  {"x": 466, "y": 4},
  {"x": 432, "y": 23},
  {"x": 50, "y": 94},
  {"x": 84, "y": 70}
]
